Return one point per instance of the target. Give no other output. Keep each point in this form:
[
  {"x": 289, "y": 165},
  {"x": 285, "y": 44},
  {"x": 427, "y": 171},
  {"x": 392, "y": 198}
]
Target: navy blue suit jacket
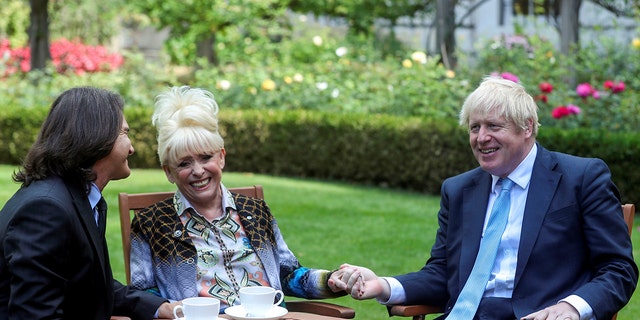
[
  {"x": 574, "y": 239},
  {"x": 54, "y": 262}
]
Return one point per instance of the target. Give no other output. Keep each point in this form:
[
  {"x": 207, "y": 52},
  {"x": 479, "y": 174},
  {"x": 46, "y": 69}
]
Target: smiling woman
[
  {"x": 229, "y": 240},
  {"x": 190, "y": 148}
]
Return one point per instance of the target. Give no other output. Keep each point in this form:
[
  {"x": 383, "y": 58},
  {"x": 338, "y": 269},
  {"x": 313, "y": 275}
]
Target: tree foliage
[
  {"x": 201, "y": 21},
  {"x": 362, "y": 14}
]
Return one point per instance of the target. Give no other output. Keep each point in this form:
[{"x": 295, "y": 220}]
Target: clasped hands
[
  {"x": 359, "y": 282},
  {"x": 362, "y": 283}
]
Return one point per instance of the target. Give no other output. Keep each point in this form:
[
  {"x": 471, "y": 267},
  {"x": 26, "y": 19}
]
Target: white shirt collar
[
  {"x": 94, "y": 195},
  {"x": 521, "y": 176}
]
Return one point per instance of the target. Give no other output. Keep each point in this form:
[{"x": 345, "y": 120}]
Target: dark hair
[{"x": 80, "y": 129}]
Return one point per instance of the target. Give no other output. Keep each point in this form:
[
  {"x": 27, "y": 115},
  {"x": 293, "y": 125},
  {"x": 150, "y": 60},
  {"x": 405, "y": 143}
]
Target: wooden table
[
  {"x": 288, "y": 316},
  {"x": 302, "y": 310},
  {"x": 294, "y": 316}
]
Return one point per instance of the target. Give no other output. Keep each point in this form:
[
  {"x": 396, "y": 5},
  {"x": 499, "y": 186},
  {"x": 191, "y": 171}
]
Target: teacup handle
[
  {"x": 279, "y": 292},
  {"x": 175, "y": 311}
]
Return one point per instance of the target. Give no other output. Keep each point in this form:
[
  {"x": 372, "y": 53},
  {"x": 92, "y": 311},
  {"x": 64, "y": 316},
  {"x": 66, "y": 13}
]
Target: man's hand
[{"x": 560, "y": 311}]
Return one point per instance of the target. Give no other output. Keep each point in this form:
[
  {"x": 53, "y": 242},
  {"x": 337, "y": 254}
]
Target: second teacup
[{"x": 257, "y": 301}]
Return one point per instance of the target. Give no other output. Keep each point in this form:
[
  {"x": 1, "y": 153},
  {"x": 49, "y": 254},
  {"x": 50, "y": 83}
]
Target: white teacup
[
  {"x": 198, "y": 308},
  {"x": 257, "y": 301}
]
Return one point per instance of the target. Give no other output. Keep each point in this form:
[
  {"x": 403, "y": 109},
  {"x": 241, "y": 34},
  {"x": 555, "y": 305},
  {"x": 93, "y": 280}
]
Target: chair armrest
[
  {"x": 321, "y": 308},
  {"x": 414, "y": 310}
]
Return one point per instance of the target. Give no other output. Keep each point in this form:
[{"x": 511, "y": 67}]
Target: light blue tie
[{"x": 470, "y": 296}]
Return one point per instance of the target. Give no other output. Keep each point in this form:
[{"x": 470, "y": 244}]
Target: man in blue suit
[{"x": 565, "y": 252}]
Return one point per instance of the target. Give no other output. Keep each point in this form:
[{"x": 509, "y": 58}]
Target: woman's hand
[{"x": 165, "y": 311}]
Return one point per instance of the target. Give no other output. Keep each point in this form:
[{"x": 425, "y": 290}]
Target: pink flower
[
  {"x": 584, "y": 90},
  {"x": 546, "y": 87},
  {"x": 506, "y": 75},
  {"x": 510, "y": 76},
  {"x": 596, "y": 94},
  {"x": 573, "y": 109}
]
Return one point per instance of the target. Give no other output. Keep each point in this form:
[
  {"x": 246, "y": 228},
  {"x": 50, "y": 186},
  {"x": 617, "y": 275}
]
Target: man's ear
[{"x": 529, "y": 129}]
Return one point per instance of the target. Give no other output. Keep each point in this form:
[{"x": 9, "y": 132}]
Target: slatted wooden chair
[
  {"x": 418, "y": 312},
  {"x": 130, "y": 203}
]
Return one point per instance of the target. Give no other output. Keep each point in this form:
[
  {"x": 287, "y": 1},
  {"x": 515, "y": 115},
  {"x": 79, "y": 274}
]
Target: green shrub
[
  {"x": 18, "y": 130},
  {"x": 411, "y": 153},
  {"x": 341, "y": 85}
]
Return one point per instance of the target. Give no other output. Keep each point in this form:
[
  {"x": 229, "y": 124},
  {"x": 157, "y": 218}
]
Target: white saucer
[{"x": 238, "y": 313}]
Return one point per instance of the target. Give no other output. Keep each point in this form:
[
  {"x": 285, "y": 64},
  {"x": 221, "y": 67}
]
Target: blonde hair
[
  {"x": 186, "y": 120},
  {"x": 505, "y": 97}
]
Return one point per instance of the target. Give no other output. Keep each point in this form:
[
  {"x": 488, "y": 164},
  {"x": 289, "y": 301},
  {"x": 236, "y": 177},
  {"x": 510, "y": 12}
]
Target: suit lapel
[
  {"x": 474, "y": 208},
  {"x": 542, "y": 188},
  {"x": 85, "y": 214}
]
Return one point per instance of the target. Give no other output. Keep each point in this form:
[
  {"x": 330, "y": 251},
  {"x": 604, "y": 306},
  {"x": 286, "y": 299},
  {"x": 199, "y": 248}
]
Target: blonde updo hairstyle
[
  {"x": 505, "y": 97},
  {"x": 186, "y": 120}
]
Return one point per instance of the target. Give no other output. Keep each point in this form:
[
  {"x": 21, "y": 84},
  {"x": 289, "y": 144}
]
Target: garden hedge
[{"x": 397, "y": 152}]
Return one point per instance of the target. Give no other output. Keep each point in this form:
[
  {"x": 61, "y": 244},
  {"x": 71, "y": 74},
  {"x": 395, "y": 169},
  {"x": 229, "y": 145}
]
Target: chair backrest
[
  {"x": 629, "y": 212},
  {"x": 131, "y": 203}
]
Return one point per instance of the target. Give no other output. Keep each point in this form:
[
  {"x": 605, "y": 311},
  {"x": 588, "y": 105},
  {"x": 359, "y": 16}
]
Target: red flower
[
  {"x": 608, "y": 84},
  {"x": 560, "y": 112},
  {"x": 615, "y": 87},
  {"x": 542, "y": 97},
  {"x": 618, "y": 87},
  {"x": 66, "y": 56},
  {"x": 546, "y": 87}
]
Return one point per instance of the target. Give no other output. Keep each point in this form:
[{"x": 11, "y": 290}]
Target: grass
[{"x": 324, "y": 223}]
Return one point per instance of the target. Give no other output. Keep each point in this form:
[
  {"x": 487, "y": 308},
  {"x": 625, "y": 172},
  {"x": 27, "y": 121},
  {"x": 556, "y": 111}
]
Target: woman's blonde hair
[
  {"x": 186, "y": 120},
  {"x": 505, "y": 97}
]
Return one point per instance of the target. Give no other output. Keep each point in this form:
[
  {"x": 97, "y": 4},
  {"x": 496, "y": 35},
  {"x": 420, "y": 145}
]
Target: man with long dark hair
[{"x": 54, "y": 262}]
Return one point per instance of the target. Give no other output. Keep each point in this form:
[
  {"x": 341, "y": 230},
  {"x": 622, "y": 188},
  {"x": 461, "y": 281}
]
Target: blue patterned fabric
[{"x": 164, "y": 258}]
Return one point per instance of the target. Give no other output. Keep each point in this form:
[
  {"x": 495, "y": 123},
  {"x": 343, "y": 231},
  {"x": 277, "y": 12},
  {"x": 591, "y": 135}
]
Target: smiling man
[
  {"x": 54, "y": 262},
  {"x": 562, "y": 250}
]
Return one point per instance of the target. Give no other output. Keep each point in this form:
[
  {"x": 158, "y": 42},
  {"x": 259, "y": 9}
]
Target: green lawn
[{"x": 324, "y": 223}]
